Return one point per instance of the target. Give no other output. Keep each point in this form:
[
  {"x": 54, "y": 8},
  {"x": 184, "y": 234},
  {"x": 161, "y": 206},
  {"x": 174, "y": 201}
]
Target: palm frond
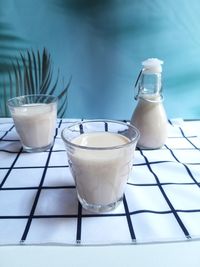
[
  {"x": 5, "y": 99},
  {"x": 46, "y": 82},
  {"x": 55, "y": 85},
  {"x": 30, "y": 73},
  {"x": 19, "y": 82},
  {"x": 35, "y": 70},
  {"x": 39, "y": 69},
  {"x": 11, "y": 85},
  {"x": 33, "y": 74},
  {"x": 64, "y": 97}
]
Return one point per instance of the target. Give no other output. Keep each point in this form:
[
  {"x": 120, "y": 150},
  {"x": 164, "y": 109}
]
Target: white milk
[
  {"x": 151, "y": 120},
  {"x": 101, "y": 175},
  {"x": 149, "y": 115},
  {"x": 35, "y": 124}
]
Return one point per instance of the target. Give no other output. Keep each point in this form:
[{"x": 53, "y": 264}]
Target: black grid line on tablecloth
[
  {"x": 38, "y": 201},
  {"x": 167, "y": 199}
]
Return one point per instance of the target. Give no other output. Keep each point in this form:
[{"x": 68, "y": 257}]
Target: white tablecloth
[{"x": 38, "y": 203}]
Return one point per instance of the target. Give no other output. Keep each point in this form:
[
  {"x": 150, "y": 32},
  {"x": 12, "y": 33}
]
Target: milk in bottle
[{"x": 149, "y": 115}]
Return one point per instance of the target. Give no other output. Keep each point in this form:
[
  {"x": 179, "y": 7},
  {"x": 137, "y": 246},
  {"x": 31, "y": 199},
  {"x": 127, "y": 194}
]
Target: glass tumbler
[
  {"x": 35, "y": 120},
  {"x": 100, "y": 155}
]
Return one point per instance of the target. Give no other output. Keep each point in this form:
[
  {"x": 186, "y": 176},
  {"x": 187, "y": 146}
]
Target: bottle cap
[{"x": 152, "y": 65}]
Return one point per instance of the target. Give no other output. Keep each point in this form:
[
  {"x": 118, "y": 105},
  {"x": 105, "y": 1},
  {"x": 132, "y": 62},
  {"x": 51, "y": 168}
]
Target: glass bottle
[{"x": 149, "y": 115}]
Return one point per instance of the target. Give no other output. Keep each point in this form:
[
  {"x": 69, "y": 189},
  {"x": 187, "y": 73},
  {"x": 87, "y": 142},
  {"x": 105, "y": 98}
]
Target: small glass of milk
[
  {"x": 35, "y": 120},
  {"x": 100, "y": 155}
]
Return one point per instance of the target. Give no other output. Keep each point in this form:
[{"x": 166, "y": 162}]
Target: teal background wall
[{"x": 102, "y": 43}]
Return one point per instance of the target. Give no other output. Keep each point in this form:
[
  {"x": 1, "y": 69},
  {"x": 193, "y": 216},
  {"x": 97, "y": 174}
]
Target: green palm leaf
[
  {"x": 63, "y": 97},
  {"x": 33, "y": 74}
]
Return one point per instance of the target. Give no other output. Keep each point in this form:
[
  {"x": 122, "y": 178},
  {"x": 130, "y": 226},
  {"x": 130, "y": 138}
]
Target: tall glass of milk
[
  {"x": 100, "y": 155},
  {"x": 35, "y": 120}
]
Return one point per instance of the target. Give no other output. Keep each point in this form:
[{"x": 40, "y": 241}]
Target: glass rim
[
  {"x": 134, "y": 140},
  {"x": 10, "y": 100}
]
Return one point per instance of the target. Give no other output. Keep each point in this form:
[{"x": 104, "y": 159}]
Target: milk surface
[
  {"x": 101, "y": 175},
  {"x": 35, "y": 124}
]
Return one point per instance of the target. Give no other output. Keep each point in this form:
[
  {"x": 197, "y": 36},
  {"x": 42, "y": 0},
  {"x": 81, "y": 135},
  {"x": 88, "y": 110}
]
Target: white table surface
[{"x": 162, "y": 255}]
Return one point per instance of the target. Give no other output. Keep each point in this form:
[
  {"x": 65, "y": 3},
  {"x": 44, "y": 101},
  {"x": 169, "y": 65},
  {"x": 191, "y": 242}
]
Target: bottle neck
[{"x": 149, "y": 87}]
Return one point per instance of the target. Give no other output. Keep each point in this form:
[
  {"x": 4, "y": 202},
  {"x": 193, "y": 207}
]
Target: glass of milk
[
  {"x": 100, "y": 155},
  {"x": 35, "y": 120}
]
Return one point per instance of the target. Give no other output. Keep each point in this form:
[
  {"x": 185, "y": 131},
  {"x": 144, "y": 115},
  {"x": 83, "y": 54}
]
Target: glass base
[
  {"x": 36, "y": 149},
  {"x": 97, "y": 208},
  {"x": 148, "y": 148}
]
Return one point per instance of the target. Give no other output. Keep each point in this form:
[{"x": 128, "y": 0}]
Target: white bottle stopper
[{"x": 152, "y": 65}]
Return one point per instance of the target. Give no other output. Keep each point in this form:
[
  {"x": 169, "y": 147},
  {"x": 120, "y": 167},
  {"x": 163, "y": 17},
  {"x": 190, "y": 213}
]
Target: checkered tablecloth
[{"x": 38, "y": 203}]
